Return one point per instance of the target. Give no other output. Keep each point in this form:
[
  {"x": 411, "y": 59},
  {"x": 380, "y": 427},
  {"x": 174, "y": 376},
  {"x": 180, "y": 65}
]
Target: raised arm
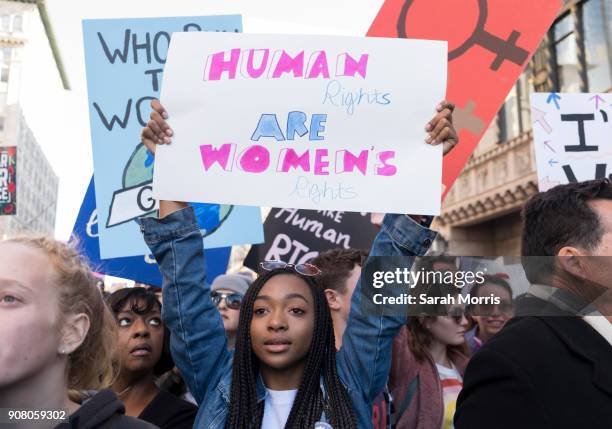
[
  {"x": 198, "y": 341},
  {"x": 364, "y": 360}
]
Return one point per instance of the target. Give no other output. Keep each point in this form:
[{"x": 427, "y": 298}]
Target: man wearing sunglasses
[{"x": 227, "y": 292}]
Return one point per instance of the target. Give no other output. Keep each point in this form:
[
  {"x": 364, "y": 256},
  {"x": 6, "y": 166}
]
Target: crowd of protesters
[{"x": 294, "y": 347}]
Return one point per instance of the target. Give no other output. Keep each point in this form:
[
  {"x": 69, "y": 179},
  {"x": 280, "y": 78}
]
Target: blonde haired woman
[{"x": 57, "y": 336}]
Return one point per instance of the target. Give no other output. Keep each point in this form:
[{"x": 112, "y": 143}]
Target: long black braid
[{"x": 309, "y": 404}]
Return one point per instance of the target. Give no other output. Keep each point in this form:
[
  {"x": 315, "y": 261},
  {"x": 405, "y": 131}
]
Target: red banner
[
  {"x": 8, "y": 182},
  {"x": 489, "y": 43}
]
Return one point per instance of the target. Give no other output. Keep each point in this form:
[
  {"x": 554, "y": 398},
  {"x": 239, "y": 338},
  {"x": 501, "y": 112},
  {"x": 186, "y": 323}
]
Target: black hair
[
  {"x": 560, "y": 217},
  {"x": 492, "y": 279},
  {"x": 309, "y": 404},
  {"x": 142, "y": 301}
]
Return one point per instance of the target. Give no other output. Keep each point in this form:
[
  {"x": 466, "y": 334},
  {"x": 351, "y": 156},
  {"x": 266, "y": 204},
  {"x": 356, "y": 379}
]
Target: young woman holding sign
[{"x": 285, "y": 372}]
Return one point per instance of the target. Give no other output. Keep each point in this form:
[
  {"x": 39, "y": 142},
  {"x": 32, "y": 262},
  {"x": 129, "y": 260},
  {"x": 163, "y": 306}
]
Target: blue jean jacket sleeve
[
  {"x": 198, "y": 341},
  {"x": 364, "y": 361}
]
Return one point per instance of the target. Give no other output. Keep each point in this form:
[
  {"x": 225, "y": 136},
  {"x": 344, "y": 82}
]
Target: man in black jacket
[{"x": 551, "y": 366}]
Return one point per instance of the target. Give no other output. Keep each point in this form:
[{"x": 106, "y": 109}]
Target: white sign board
[
  {"x": 572, "y": 137},
  {"x": 310, "y": 122}
]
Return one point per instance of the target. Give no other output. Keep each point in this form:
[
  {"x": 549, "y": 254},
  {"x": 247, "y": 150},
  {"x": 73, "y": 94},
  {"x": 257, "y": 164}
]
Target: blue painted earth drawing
[{"x": 139, "y": 169}]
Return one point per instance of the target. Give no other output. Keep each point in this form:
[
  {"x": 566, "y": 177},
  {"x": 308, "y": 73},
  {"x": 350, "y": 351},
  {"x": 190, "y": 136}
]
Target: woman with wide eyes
[{"x": 142, "y": 355}]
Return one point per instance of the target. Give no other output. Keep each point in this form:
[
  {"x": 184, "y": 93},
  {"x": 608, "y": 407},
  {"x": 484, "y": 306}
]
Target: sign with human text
[
  {"x": 142, "y": 269},
  {"x": 125, "y": 60},
  {"x": 571, "y": 134},
  {"x": 297, "y": 236},
  {"x": 489, "y": 44},
  {"x": 312, "y": 122},
  {"x": 8, "y": 180}
]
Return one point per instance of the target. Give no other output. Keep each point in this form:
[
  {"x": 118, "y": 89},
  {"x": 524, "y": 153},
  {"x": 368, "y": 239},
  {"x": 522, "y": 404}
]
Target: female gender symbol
[{"x": 505, "y": 50}]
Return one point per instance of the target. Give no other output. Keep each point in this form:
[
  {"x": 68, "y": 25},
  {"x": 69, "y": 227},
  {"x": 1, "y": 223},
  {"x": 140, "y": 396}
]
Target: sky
[{"x": 60, "y": 122}]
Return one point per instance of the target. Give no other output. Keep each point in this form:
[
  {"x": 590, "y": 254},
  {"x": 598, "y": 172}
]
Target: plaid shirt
[{"x": 563, "y": 299}]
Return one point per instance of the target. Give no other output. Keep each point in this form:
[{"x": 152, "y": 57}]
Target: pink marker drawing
[
  {"x": 549, "y": 146},
  {"x": 597, "y": 99},
  {"x": 538, "y": 116}
]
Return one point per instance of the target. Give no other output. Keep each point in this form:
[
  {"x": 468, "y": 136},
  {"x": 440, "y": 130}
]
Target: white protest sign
[
  {"x": 572, "y": 137},
  {"x": 308, "y": 122}
]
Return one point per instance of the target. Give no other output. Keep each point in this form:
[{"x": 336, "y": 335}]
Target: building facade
[
  {"x": 481, "y": 214},
  {"x": 24, "y": 27}
]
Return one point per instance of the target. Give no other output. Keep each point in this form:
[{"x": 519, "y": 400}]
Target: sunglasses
[
  {"x": 457, "y": 314},
  {"x": 232, "y": 300},
  {"x": 303, "y": 269},
  {"x": 506, "y": 308}
]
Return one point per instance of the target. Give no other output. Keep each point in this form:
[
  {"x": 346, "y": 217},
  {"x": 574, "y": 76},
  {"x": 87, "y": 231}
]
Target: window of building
[
  {"x": 18, "y": 23},
  {"x": 5, "y": 22},
  {"x": 597, "y": 16},
  {"x": 1, "y": 123},
  {"x": 583, "y": 61},
  {"x": 514, "y": 118},
  {"x": 564, "y": 43},
  {"x": 4, "y": 74},
  {"x": 509, "y": 119},
  {"x": 6, "y": 52},
  {"x": 525, "y": 88}
]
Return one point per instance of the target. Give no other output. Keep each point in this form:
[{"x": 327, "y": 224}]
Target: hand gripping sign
[{"x": 490, "y": 42}]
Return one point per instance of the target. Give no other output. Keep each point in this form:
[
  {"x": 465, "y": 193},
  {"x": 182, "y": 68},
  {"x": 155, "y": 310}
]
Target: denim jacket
[{"x": 198, "y": 340}]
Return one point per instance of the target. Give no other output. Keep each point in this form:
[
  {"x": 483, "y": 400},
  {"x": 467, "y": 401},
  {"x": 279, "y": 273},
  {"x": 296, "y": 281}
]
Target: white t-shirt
[
  {"x": 277, "y": 407},
  {"x": 452, "y": 382}
]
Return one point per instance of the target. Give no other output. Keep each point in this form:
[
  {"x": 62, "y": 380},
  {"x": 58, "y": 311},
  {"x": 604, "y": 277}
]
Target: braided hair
[{"x": 310, "y": 403}]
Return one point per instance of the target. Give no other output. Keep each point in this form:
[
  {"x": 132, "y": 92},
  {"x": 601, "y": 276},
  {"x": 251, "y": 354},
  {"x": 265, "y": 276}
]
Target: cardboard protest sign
[
  {"x": 572, "y": 137},
  {"x": 311, "y": 122},
  {"x": 142, "y": 269},
  {"x": 489, "y": 43},
  {"x": 296, "y": 236},
  {"x": 8, "y": 180},
  {"x": 124, "y": 61}
]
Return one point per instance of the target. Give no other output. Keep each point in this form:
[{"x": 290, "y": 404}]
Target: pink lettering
[
  {"x": 386, "y": 169},
  {"x": 216, "y": 65},
  {"x": 347, "y": 162},
  {"x": 287, "y": 63},
  {"x": 317, "y": 66},
  {"x": 350, "y": 66},
  {"x": 224, "y": 156},
  {"x": 290, "y": 159},
  {"x": 255, "y": 159},
  {"x": 251, "y": 70},
  {"x": 321, "y": 166}
]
